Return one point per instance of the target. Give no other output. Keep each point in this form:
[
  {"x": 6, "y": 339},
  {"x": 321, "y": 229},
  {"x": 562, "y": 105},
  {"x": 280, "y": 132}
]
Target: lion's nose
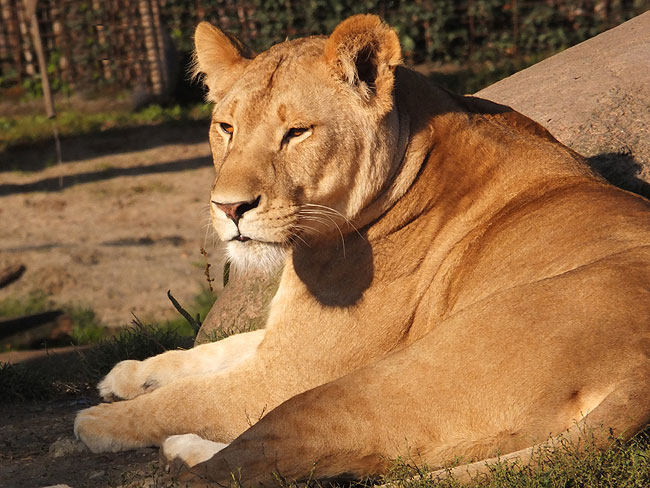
[{"x": 235, "y": 211}]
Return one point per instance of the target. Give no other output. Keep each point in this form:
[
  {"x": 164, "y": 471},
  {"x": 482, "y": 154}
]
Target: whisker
[
  {"x": 308, "y": 228},
  {"x": 316, "y": 219},
  {"x": 336, "y": 212},
  {"x": 205, "y": 238},
  {"x": 297, "y": 236},
  {"x": 320, "y": 213}
]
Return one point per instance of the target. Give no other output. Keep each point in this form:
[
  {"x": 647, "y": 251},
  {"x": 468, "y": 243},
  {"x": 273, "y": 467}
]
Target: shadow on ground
[
  {"x": 36, "y": 156},
  {"x": 56, "y": 184}
]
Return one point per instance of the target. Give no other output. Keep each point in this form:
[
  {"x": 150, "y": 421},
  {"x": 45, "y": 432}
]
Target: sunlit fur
[{"x": 263, "y": 256}]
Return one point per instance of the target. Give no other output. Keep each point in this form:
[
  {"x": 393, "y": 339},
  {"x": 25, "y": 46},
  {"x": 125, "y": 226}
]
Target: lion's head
[{"x": 303, "y": 136}]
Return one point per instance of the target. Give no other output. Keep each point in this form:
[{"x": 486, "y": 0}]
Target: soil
[
  {"x": 117, "y": 224},
  {"x": 37, "y": 449}
]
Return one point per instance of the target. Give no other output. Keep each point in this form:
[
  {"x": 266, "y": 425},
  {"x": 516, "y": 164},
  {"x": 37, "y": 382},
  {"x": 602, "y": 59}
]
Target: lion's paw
[
  {"x": 189, "y": 449},
  {"x": 125, "y": 381},
  {"x": 105, "y": 428}
]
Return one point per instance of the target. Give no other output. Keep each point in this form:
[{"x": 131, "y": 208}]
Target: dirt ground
[
  {"x": 115, "y": 226},
  {"x": 125, "y": 226},
  {"x": 37, "y": 450}
]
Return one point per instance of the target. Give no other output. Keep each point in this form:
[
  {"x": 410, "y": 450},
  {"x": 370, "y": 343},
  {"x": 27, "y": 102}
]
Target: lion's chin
[{"x": 257, "y": 255}]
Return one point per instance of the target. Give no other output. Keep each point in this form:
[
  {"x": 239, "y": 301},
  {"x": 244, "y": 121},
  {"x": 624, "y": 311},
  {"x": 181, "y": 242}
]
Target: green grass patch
[
  {"x": 567, "y": 464},
  {"x": 138, "y": 341},
  {"x": 34, "y": 302},
  {"x": 79, "y": 371},
  {"x": 198, "y": 309},
  {"x": 84, "y": 325},
  {"x": 25, "y": 129}
]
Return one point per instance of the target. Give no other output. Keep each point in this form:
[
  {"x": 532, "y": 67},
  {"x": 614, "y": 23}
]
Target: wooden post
[
  {"x": 30, "y": 11},
  {"x": 515, "y": 25},
  {"x": 148, "y": 30},
  {"x": 103, "y": 41},
  {"x": 13, "y": 35},
  {"x": 160, "y": 42},
  {"x": 24, "y": 34},
  {"x": 470, "y": 12},
  {"x": 5, "y": 45}
]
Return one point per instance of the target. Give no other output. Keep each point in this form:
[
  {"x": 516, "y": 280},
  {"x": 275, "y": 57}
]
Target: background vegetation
[
  {"x": 135, "y": 52},
  {"x": 124, "y": 43}
]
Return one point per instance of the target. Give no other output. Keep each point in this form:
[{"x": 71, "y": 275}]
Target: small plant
[
  {"x": 189, "y": 324},
  {"x": 86, "y": 326},
  {"x": 19, "y": 383},
  {"x": 139, "y": 341}
]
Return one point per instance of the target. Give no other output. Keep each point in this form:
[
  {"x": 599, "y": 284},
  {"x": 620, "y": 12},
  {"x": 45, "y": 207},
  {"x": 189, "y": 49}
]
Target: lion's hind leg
[
  {"x": 129, "y": 379},
  {"x": 619, "y": 416},
  {"x": 354, "y": 426}
]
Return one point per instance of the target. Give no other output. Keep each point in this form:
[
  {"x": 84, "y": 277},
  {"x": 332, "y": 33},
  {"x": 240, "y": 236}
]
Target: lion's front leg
[
  {"x": 129, "y": 379},
  {"x": 216, "y": 406}
]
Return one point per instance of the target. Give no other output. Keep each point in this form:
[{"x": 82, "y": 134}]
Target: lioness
[{"x": 456, "y": 283}]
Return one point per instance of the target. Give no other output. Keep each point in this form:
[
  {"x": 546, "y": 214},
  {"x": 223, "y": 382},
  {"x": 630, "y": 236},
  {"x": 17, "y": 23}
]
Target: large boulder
[{"x": 593, "y": 97}]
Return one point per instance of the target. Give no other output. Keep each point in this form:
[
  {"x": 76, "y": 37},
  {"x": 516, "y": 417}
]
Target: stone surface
[
  {"x": 595, "y": 98},
  {"x": 241, "y": 306},
  {"x": 65, "y": 446}
]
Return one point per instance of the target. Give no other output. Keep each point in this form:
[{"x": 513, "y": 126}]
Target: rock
[
  {"x": 65, "y": 446},
  {"x": 96, "y": 474},
  {"x": 595, "y": 98},
  {"x": 241, "y": 306}
]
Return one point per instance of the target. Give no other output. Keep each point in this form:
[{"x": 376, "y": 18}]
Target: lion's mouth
[{"x": 241, "y": 238}]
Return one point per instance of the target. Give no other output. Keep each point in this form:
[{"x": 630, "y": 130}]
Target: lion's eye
[
  {"x": 226, "y": 128},
  {"x": 296, "y": 132}
]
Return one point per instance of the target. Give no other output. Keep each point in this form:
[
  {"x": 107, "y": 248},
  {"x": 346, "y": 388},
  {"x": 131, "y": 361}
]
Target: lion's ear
[
  {"x": 363, "y": 51},
  {"x": 221, "y": 56}
]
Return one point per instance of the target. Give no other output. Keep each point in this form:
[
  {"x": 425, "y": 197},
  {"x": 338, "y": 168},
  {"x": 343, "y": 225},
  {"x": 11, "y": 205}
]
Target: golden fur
[{"x": 456, "y": 283}]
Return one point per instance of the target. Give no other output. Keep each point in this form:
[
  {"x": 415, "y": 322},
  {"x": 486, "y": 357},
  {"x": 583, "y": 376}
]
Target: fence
[{"x": 132, "y": 43}]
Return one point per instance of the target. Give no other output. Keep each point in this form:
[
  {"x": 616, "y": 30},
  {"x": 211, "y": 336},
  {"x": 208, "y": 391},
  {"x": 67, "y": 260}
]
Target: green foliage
[
  {"x": 35, "y": 302},
  {"x": 22, "y": 129},
  {"x": 434, "y": 30},
  {"x": 139, "y": 341},
  {"x": 19, "y": 383},
  {"x": 430, "y": 31},
  {"x": 566, "y": 464},
  {"x": 199, "y": 308},
  {"x": 472, "y": 78}
]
